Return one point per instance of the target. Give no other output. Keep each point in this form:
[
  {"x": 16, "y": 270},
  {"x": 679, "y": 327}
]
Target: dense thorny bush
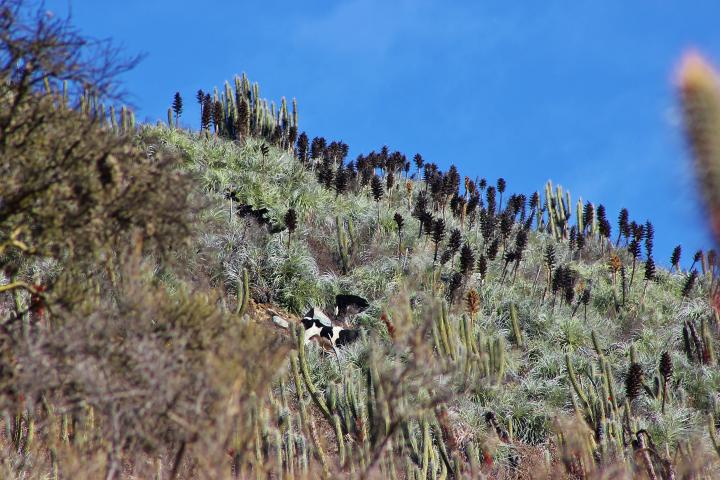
[{"x": 91, "y": 342}]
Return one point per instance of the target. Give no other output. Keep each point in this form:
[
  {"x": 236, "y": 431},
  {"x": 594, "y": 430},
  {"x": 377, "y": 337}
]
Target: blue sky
[{"x": 580, "y": 92}]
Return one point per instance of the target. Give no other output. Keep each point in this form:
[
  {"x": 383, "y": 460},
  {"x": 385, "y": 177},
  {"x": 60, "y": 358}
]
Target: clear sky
[{"x": 580, "y": 92}]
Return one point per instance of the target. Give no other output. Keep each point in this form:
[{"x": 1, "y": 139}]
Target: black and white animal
[
  {"x": 349, "y": 305},
  {"x": 316, "y": 323},
  {"x": 334, "y": 335},
  {"x": 337, "y": 336},
  {"x": 319, "y": 326}
]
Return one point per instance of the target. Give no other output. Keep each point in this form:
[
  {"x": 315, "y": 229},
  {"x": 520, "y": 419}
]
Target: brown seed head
[
  {"x": 633, "y": 381},
  {"x": 614, "y": 263},
  {"x": 473, "y": 302},
  {"x": 666, "y": 366}
]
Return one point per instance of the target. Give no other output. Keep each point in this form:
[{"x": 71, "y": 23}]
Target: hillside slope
[
  {"x": 507, "y": 335},
  {"x": 483, "y": 360}
]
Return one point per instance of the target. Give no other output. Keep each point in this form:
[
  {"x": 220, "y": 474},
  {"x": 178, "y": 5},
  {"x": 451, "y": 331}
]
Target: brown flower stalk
[
  {"x": 473, "y": 303},
  {"x": 700, "y": 102}
]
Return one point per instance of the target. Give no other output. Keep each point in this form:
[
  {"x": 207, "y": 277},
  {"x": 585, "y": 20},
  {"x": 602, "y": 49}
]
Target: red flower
[{"x": 37, "y": 306}]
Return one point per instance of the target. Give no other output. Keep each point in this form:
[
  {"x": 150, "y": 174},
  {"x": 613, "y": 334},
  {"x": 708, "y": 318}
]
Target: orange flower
[{"x": 388, "y": 324}]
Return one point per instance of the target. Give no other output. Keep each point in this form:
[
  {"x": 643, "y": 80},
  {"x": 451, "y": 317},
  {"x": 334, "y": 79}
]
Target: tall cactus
[
  {"x": 243, "y": 294},
  {"x": 342, "y": 245},
  {"x": 309, "y": 385},
  {"x": 516, "y": 326},
  {"x": 579, "y": 215}
]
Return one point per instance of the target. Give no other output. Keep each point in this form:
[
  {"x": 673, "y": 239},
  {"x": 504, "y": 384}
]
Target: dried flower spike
[{"x": 700, "y": 102}]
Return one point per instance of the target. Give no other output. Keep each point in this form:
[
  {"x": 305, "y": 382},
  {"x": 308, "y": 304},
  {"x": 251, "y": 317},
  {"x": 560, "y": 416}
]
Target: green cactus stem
[
  {"x": 340, "y": 440},
  {"x": 309, "y": 385},
  {"x": 576, "y": 385},
  {"x": 712, "y": 431},
  {"x": 243, "y": 294},
  {"x": 516, "y": 326},
  {"x": 708, "y": 343},
  {"x": 342, "y": 245}
]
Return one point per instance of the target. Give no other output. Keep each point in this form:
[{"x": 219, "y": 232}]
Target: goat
[
  {"x": 337, "y": 336},
  {"x": 317, "y": 324}
]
